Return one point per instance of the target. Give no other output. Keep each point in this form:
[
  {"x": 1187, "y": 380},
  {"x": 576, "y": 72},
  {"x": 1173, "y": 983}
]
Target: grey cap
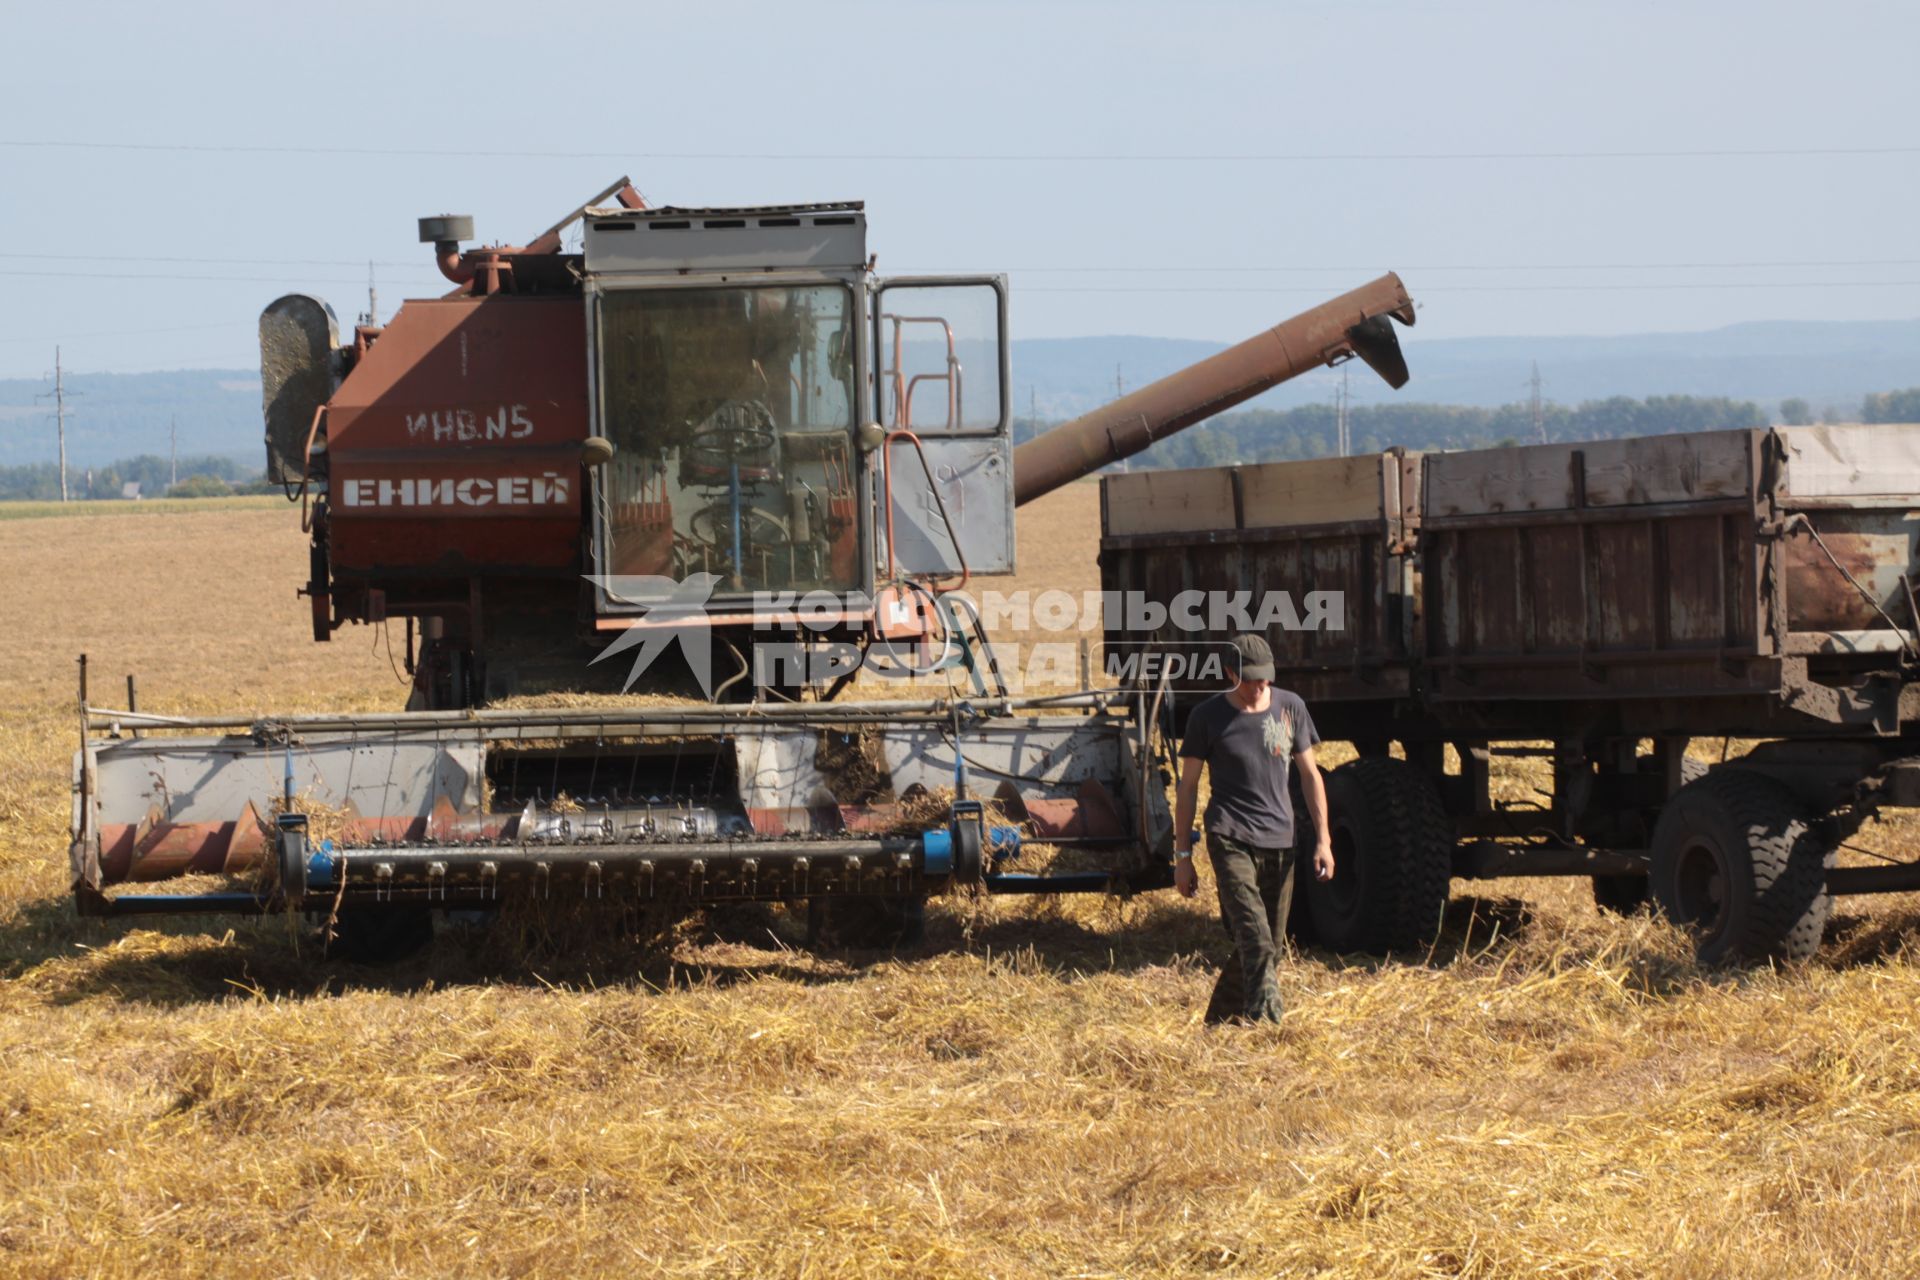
[{"x": 1256, "y": 658}]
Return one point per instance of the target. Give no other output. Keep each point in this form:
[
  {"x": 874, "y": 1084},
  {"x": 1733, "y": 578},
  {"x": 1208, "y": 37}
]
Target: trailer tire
[
  {"x": 1738, "y": 861},
  {"x": 1393, "y": 859},
  {"x": 1624, "y": 895}
]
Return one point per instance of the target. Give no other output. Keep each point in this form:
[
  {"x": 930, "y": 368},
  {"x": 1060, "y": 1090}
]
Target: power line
[
  {"x": 201, "y": 279},
  {"x": 123, "y": 277},
  {"x": 138, "y": 333},
  {"x": 1729, "y": 265},
  {"x": 235, "y": 262},
  {"x": 1128, "y": 269},
  {"x": 1302, "y": 157},
  {"x": 1498, "y": 288}
]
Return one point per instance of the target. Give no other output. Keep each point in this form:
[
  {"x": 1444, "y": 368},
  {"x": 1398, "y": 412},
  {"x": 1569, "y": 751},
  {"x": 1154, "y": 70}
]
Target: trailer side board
[
  {"x": 1310, "y": 550},
  {"x": 1600, "y": 569}
]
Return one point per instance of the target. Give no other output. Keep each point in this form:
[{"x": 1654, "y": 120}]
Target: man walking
[{"x": 1247, "y": 738}]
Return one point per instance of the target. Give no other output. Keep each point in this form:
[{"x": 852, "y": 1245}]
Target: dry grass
[{"x": 1548, "y": 1092}]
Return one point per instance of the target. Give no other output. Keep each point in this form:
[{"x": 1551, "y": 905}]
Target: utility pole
[
  {"x": 373, "y": 299},
  {"x": 1119, "y": 393},
  {"x": 1539, "y": 411},
  {"x": 173, "y": 452},
  {"x": 60, "y": 412},
  {"x": 1342, "y": 419},
  {"x": 60, "y": 417}
]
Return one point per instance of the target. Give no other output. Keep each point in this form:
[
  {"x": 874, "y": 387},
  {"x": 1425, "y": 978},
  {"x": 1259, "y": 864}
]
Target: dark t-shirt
[{"x": 1247, "y": 754}]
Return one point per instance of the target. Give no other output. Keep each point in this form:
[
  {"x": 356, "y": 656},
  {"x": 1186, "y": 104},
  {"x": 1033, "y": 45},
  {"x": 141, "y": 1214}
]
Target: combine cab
[{"x": 710, "y": 455}]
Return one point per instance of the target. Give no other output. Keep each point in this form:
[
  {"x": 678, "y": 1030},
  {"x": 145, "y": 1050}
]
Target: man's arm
[
  {"x": 1185, "y": 881},
  {"x": 1315, "y": 791}
]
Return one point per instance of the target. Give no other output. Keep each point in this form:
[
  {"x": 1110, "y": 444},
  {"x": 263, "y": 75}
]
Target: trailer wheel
[
  {"x": 1624, "y": 895},
  {"x": 1393, "y": 859},
  {"x": 1737, "y": 861}
]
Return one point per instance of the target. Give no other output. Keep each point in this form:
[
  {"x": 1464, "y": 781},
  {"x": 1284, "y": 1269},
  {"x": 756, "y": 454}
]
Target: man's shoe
[{"x": 1266, "y": 1005}]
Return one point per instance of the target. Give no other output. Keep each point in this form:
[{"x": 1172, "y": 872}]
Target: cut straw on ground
[{"x": 1541, "y": 1091}]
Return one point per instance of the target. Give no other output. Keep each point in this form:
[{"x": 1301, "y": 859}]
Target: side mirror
[{"x": 596, "y": 451}]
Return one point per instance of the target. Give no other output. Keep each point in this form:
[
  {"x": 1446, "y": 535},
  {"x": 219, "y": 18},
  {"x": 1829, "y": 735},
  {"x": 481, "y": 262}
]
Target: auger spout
[{"x": 1353, "y": 324}]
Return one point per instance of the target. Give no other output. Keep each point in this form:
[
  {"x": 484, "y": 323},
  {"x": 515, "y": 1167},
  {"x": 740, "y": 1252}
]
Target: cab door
[{"x": 942, "y": 397}]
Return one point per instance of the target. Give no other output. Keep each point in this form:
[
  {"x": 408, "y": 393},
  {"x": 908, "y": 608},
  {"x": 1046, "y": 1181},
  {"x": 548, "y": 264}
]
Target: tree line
[
  {"x": 1310, "y": 431},
  {"x": 202, "y": 477},
  {"x": 1892, "y": 406}
]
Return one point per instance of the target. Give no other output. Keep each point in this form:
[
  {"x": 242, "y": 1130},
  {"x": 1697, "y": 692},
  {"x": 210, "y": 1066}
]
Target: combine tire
[
  {"x": 1393, "y": 860},
  {"x": 1735, "y": 860},
  {"x": 1624, "y": 895}
]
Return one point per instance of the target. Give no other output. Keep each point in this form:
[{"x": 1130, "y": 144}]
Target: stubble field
[{"x": 1545, "y": 1092}]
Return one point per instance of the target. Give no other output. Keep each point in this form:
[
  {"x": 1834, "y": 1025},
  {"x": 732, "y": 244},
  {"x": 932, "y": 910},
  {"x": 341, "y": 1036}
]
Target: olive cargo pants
[{"x": 1256, "y": 886}]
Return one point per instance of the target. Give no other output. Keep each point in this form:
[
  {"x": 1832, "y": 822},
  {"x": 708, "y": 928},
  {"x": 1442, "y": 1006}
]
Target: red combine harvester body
[{"x": 715, "y": 395}]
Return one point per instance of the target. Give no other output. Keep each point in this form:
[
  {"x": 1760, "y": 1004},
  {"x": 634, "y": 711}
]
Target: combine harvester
[{"x": 713, "y": 436}]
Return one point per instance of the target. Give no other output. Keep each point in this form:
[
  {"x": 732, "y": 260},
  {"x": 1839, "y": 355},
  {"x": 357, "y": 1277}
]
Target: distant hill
[
  {"x": 1832, "y": 366},
  {"x": 1829, "y": 365},
  {"x": 119, "y": 415}
]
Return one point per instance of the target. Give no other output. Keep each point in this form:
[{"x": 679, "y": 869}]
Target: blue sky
[{"x": 1195, "y": 170}]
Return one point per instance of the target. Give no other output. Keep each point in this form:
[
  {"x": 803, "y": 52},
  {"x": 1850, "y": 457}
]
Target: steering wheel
[
  {"x": 739, "y": 432},
  {"x": 717, "y": 446}
]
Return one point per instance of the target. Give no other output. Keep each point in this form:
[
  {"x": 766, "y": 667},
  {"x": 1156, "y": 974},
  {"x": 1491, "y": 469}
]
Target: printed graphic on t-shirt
[{"x": 1277, "y": 733}]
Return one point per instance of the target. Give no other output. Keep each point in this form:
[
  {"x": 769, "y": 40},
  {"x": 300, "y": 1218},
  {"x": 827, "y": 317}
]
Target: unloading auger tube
[
  {"x": 1353, "y": 324},
  {"x": 693, "y": 803}
]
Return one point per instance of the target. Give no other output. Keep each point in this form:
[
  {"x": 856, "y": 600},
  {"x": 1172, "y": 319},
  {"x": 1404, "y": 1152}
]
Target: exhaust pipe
[{"x": 444, "y": 233}]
